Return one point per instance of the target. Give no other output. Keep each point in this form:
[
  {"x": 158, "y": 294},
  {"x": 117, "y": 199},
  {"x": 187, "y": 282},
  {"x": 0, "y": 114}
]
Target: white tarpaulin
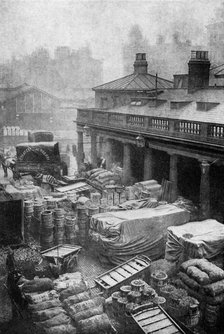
[
  {"x": 123, "y": 234},
  {"x": 204, "y": 239}
]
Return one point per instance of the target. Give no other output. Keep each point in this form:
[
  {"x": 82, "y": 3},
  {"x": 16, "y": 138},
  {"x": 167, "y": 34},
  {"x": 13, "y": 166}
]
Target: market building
[{"x": 162, "y": 130}]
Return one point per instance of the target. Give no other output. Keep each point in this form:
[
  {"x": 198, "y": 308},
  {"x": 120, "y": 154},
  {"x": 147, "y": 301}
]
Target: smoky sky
[{"x": 103, "y": 25}]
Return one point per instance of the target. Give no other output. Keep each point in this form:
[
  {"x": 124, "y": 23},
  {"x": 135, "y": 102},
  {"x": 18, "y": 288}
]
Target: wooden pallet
[
  {"x": 155, "y": 320},
  {"x": 111, "y": 280}
]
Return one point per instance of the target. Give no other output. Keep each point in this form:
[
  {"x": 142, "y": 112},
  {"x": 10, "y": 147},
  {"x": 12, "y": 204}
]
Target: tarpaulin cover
[
  {"x": 38, "y": 152},
  {"x": 123, "y": 234},
  {"x": 204, "y": 239}
]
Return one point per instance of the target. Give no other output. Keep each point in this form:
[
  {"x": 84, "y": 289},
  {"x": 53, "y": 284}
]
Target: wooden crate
[{"x": 113, "y": 279}]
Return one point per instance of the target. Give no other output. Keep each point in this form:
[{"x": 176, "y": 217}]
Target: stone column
[
  {"x": 205, "y": 191},
  {"x": 173, "y": 177},
  {"x": 148, "y": 164},
  {"x": 108, "y": 154},
  {"x": 127, "y": 163},
  {"x": 80, "y": 153},
  {"x": 93, "y": 149}
]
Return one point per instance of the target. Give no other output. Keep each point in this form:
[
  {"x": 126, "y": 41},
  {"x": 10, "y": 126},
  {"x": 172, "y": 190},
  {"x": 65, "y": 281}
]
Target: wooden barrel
[
  {"x": 47, "y": 219},
  {"x": 137, "y": 285},
  {"x": 38, "y": 208},
  {"x": 125, "y": 289},
  {"x": 28, "y": 207},
  {"x": 158, "y": 280},
  {"x": 103, "y": 208},
  {"x": 93, "y": 210},
  {"x": 59, "y": 213},
  {"x": 58, "y": 235}
]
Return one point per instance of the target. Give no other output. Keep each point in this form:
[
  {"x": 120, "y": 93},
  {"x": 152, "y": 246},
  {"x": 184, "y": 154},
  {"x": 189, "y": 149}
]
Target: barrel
[
  {"x": 47, "y": 219},
  {"x": 28, "y": 208},
  {"x": 93, "y": 210},
  {"x": 51, "y": 204},
  {"x": 58, "y": 213},
  {"x": 121, "y": 305},
  {"x": 160, "y": 301},
  {"x": 103, "y": 208},
  {"x": 70, "y": 228},
  {"x": 38, "y": 209},
  {"x": 58, "y": 235},
  {"x": 137, "y": 285},
  {"x": 158, "y": 280},
  {"x": 125, "y": 289}
]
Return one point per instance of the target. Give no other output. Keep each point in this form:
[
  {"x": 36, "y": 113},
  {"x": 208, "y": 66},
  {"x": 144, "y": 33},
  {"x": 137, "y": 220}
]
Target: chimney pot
[
  {"x": 140, "y": 64},
  {"x": 198, "y": 70}
]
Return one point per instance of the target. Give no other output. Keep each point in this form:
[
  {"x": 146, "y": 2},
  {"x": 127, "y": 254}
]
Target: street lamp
[
  {"x": 140, "y": 141},
  {"x": 86, "y": 130}
]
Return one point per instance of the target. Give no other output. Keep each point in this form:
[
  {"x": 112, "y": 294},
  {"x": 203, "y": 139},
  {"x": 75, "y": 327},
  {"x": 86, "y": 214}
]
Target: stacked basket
[
  {"x": 59, "y": 226},
  {"x": 83, "y": 224},
  {"x": 47, "y": 227},
  {"x": 70, "y": 221}
]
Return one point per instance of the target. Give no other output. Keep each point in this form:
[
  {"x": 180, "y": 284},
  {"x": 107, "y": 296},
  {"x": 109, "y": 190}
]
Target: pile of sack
[
  {"x": 205, "y": 281},
  {"x": 102, "y": 177},
  {"x": 46, "y": 308}
]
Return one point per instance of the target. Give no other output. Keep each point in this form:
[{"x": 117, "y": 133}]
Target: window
[{"x": 205, "y": 106}]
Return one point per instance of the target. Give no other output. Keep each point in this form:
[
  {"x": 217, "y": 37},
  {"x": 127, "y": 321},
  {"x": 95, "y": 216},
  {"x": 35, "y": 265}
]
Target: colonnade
[{"x": 148, "y": 167}]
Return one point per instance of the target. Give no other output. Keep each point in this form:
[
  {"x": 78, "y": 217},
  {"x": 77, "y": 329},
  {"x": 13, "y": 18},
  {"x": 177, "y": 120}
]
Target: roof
[
  {"x": 135, "y": 82},
  {"x": 187, "y": 112},
  {"x": 16, "y": 91}
]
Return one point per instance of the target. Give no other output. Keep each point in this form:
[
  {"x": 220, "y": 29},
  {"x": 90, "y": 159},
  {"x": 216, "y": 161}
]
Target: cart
[
  {"x": 137, "y": 267},
  {"x": 62, "y": 256}
]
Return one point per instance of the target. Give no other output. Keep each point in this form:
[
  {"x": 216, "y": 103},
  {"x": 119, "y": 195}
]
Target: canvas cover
[
  {"x": 200, "y": 239},
  {"x": 124, "y": 234},
  {"x": 47, "y": 152}
]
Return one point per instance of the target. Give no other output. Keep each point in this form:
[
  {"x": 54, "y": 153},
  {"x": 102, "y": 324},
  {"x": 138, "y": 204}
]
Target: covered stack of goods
[
  {"x": 46, "y": 308},
  {"x": 149, "y": 188},
  {"x": 120, "y": 235},
  {"x": 86, "y": 312},
  {"x": 187, "y": 204},
  {"x": 200, "y": 239},
  {"x": 205, "y": 281},
  {"x": 101, "y": 177}
]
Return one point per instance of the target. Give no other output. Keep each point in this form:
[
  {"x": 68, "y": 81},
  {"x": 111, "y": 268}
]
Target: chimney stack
[
  {"x": 140, "y": 64},
  {"x": 198, "y": 70}
]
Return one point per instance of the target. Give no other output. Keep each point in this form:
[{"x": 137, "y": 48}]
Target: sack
[
  {"x": 77, "y": 276},
  {"x": 88, "y": 304},
  {"x": 215, "y": 273},
  {"x": 60, "y": 319},
  {"x": 35, "y": 298},
  {"x": 190, "y": 282},
  {"x": 38, "y": 285},
  {"x": 47, "y": 314},
  {"x": 189, "y": 263},
  {"x": 45, "y": 305},
  {"x": 214, "y": 289},
  {"x": 200, "y": 276},
  {"x": 87, "y": 313},
  {"x": 80, "y": 297},
  {"x": 73, "y": 290},
  {"x": 62, "y": 329},
  {"x": 95, "y": 324}
]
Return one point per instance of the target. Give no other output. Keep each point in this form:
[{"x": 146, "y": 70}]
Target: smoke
[{"x": 104, "y": 24}]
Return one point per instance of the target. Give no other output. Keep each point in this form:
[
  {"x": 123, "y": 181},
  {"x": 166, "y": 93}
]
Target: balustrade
[
  {"x": 216, "y": 131},
  {"x": 162, "y": 124},
  {"x": 136, "y": 121},
  {"x": 176, "y": 128},
  {"x": 188, "y": 127}
]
